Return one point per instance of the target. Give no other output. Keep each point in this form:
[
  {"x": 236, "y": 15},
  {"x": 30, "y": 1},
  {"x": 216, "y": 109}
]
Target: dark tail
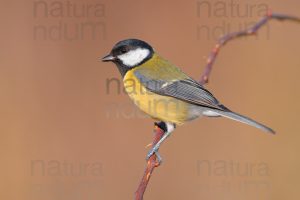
[{"x": 243, "y": 119}]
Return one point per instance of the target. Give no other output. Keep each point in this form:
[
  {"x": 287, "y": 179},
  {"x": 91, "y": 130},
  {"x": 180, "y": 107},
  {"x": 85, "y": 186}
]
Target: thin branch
[
  {"x": 152, "y": 162},
  {"x": 248, "y": 32}
]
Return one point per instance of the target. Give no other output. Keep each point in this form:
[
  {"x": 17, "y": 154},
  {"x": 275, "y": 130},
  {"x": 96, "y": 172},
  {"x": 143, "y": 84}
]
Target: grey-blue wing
[{"x": 186, "y": 90}]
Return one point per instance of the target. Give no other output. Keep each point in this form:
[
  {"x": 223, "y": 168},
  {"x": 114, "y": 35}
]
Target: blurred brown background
[{"x": 61, "y": 137}]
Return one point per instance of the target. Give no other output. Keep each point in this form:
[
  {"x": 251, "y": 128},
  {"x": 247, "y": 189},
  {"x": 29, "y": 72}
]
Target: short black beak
[{"x": 108, "y": 58}]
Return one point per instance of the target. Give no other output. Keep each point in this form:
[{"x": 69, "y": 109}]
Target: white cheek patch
[{"x": 134, "y": 57}]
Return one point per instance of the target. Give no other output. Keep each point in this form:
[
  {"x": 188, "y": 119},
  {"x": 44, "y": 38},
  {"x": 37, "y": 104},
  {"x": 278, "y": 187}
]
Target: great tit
[{"x": 163, "y": 91}]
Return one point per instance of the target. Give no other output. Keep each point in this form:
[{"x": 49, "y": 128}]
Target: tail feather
[{"x": 243, "y": 119}]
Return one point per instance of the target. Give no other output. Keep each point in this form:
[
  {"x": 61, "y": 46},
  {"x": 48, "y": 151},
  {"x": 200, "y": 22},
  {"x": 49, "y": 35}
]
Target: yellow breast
[{"x": 160, "y": 107}]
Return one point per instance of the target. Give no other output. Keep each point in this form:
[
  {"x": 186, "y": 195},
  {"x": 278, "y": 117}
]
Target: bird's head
[{"x": 129, "y": 53}]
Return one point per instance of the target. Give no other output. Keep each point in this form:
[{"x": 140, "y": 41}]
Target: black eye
[{"x": 123, "y": 50}]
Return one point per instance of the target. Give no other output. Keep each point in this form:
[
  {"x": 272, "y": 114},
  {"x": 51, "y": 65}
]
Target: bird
[{"x": 164, "y": 91}]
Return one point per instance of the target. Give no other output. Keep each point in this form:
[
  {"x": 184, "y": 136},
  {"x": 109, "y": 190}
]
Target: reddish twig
[
  {"x": 226, "y": 38},
  {"x": 152, "y": 162}
]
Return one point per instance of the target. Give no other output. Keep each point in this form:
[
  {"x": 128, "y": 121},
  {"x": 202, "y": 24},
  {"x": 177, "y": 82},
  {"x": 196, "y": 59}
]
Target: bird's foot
[
  {"x": 153, "y": 151},
  {"x": 167, "y": 128}
]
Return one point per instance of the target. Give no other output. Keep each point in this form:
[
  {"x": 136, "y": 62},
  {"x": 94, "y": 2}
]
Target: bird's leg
[{"x": 168, "y": 128}]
